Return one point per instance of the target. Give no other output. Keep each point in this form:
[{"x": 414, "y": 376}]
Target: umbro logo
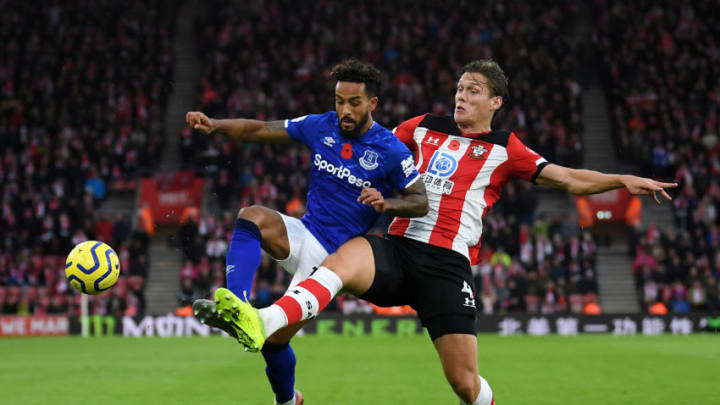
[{"x": 329, "y": 141}]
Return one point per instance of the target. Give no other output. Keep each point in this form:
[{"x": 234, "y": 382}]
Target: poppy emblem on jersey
[
  {"x": 369, "y": 160},
  {"x": 442, "y": 164},
  {"x": 346, "y": 151},
  {"x": 454, "y": 145},
  {"x": 477, "y": 151}
]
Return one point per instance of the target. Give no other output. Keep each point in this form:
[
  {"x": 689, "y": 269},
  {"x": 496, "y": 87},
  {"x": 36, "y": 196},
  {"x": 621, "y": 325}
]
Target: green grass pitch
[{"x": 360, "y": 370}]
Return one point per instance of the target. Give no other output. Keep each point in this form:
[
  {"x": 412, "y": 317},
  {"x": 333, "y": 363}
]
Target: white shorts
[{"x": 305, "y": 250}]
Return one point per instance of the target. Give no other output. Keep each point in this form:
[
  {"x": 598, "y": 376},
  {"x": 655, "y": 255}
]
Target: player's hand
[
  {"x": 371, "y": 196},
  {"x": 642, "y": 185},
  {"x": 200, "y": 122}
]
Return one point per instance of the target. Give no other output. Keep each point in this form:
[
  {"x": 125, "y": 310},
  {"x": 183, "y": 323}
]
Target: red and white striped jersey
[{"x": 464, "y": 175}]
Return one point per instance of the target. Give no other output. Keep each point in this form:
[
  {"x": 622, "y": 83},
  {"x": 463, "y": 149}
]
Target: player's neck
[
  {"x": 474, "y": 127},
  {"x": 367, "y": 126}
]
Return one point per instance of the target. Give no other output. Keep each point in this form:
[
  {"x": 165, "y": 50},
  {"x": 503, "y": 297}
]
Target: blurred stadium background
[{"x": 94, "y": 146}]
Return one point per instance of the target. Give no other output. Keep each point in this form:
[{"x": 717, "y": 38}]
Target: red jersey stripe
[{"x": 399, "y": 225}]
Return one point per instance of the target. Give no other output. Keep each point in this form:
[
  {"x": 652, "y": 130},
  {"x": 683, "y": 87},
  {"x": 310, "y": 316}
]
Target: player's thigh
[
  {"x": 353, "y": 262},
  {"x": 283, "y": 335},
  {"x": 272, "y": 228},
  {"x": 390, "y": 287},
  {"x": 443, "y": 292},
  {"x": 458, "y": 356}
]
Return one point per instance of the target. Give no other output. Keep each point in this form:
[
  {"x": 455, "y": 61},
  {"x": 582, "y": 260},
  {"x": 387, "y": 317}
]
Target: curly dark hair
[{"x": 356, "y": 71}]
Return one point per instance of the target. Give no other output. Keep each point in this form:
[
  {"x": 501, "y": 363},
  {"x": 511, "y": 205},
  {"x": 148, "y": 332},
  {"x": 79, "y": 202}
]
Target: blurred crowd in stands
[
  {"x": 537, "y": 265},
  {"x": 83, "y": 89},
  {"x": 662, "y": 64},
  {"x": 677, "y": 271}
]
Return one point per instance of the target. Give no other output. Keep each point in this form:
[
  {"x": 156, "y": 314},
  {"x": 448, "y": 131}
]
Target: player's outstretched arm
[
  {"x": 581, "y": 182},
  {"x": 243, "y": 130},
  {"x": 413, "y": 204}
]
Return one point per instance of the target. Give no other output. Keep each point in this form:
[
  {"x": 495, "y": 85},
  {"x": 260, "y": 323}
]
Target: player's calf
[{"x": 465, "y": 385}]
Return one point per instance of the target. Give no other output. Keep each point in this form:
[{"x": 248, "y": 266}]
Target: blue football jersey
[{"x": 340, "y": 168}]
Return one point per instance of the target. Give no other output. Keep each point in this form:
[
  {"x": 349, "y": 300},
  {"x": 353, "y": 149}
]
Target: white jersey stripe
[{"x": 418, "y": 136}]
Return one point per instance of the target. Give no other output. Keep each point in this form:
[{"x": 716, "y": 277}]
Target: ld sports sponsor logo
[
  {"x": 442, "y": 164},
  {"x": 341, "y": 172},
  {"x": 437, "y": 177}
]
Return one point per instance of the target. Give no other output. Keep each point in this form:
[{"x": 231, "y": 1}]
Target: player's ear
[
  {"x": 496, "y": 103},
  {"x": 372, "y": 103}
]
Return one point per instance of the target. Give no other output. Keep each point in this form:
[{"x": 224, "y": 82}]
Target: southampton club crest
[
  {"x": 477, "y": 151},
  {"x": 369, "y": 160}
]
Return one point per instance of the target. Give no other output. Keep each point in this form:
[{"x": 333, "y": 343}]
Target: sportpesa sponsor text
[{"x": 341, "y": 172}]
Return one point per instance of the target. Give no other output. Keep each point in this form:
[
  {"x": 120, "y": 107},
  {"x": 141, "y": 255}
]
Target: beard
[{"x": 355, "y": 131}]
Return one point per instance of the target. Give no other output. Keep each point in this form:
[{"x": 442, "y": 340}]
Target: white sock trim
[
  {"x": 328, "y": 279},
  {"x": 485, "y": 396},
  {"x": 273, "y": 318}
]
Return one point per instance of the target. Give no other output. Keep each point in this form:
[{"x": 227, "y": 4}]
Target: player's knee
[
  {"x": 465, "y": 385},
  {"x": 266, "y": 219},
  {"x": 253, "y": 213}
]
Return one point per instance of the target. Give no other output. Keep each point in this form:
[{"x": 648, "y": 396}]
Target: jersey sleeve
[
  {"x": 402, "y": 170},
  {"x": 302, "y": 129},
  {"x": 404, "y": 132},
  {"x": 524, "y": 162}
]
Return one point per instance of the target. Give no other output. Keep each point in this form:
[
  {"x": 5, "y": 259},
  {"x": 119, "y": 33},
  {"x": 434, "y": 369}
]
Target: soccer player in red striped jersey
[{"x": 424, "y": 262}]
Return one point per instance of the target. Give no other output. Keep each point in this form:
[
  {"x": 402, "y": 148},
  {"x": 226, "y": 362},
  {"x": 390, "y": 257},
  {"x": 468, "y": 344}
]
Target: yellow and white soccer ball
[{"x": 92, "y": 267}]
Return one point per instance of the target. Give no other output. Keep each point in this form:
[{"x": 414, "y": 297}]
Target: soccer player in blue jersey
[{"x": 356, "y": 164}]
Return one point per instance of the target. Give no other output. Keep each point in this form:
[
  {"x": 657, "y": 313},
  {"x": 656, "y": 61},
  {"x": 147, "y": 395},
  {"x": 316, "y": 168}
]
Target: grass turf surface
[{"x": 360, "y": 370}]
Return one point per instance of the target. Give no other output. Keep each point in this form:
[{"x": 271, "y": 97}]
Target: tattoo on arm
[
  {"x": 416, "y": 188},
  {"x": 414, "y": 202},
  {"x": 275, "y": 126}
]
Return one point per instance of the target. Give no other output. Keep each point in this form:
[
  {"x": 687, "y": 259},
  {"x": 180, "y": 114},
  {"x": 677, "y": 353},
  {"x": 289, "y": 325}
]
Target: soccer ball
[{"x": 92, "y": 267}]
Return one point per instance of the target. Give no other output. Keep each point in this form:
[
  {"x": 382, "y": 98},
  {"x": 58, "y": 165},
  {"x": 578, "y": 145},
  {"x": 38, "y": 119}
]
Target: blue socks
[
  {"x": 243, "y": 257},
  {"x": 242, "y": 261},
  {"x": 280, "y": 369}
]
